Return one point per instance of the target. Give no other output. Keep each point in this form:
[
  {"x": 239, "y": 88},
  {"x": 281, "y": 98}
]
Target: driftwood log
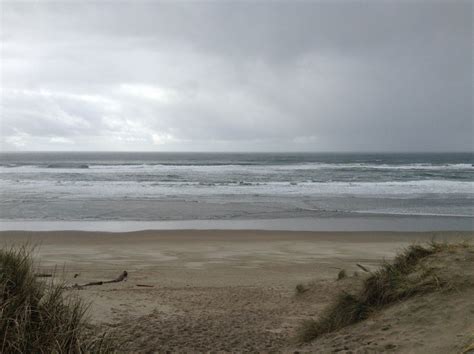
[
  {"x": 43, "y": 275},
  {"x": 120, "y": 278},
  {"x": 363, "y": 268}
]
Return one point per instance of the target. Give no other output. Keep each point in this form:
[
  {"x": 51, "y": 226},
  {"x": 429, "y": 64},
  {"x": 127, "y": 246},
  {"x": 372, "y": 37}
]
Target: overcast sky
[{"x": 237, "y": 76}]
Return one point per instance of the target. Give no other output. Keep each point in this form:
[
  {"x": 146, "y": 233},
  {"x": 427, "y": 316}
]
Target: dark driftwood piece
[
  {"x": 120, "y": 278},
  {"x": 145, "y": 285},
  {"x": 363, "y": 268},
  {"x": 43, "y": 275}
]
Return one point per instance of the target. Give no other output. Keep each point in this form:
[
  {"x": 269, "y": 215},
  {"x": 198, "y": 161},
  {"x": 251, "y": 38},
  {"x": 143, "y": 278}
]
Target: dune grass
[
  {"x": 300, "y": 289},
  {"x": 342, "y": 274},
  {"x": 392, "y": 282},
  {"x": 38, "y": 316}
]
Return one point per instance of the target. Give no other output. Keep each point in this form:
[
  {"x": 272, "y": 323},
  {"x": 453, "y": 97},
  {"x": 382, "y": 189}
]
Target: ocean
[{"x": 222, "y": 187}]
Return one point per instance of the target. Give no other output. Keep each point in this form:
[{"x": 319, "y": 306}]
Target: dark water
[{"x": 177, "y": 186}]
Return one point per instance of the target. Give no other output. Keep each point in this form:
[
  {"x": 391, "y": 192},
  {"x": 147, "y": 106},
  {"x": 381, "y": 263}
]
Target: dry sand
[{"x": 216, "y": 290}]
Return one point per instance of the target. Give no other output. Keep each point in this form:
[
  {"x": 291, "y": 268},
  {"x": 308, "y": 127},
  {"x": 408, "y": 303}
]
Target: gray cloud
[{"x": 312, "y": 76}]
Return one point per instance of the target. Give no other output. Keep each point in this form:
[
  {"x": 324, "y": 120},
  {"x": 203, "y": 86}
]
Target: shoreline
[
  {"x": 226, "y": 235},
  {"x": 372, "y": 222}
]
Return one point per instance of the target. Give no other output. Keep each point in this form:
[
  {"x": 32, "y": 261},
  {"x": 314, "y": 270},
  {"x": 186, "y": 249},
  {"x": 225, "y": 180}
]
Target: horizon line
[{"x": 247, "y": 152}]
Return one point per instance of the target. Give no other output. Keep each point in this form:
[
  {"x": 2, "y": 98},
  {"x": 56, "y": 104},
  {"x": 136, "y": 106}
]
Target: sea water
[{"x": 153, "y": 187}]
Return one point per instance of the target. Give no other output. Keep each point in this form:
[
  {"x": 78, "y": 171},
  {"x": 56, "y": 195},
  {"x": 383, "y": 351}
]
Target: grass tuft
[
  {"x": 342, "y": 274},
  {"x": 38, "y": 316},
  {"x": 300, "y": 289},
  {"x": 392, "y": 282}
]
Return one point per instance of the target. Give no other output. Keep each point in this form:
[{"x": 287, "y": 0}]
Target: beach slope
[{"x": 235, "y": 290}]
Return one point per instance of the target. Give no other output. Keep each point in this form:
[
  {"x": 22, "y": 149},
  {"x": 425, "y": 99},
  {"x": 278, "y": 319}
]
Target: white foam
[
  {"x": 232, "y": 167},
  {"x": 146, "y": 190}
]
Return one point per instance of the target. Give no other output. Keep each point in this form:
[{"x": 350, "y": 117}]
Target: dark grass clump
[
  {"x": 342, "y": 274},
  {"x": 392, "y": 282},
  {"x": 38, "y": 316},
  {"x": 300, "y": 289}
]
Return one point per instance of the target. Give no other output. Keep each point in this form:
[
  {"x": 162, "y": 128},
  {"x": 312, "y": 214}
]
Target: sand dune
[{"x": 235, "y": 290}]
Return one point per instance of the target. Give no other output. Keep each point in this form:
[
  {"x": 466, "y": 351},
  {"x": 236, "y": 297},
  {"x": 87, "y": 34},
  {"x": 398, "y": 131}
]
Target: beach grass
[
  {"x": 392, "y": 282},
  {"x": 300, "y": 289},
  {"x": 342, "y": 274},
  {"x": 38, "y": 316}
]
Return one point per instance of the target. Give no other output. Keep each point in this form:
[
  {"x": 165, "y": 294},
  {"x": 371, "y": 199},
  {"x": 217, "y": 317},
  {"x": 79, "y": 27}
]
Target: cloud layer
[{"x": 240, "y": 76}]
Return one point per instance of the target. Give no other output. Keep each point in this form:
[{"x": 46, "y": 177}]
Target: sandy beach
[
  {"x": 216, "y": 257},
  {"x": 211, "y": 290}
]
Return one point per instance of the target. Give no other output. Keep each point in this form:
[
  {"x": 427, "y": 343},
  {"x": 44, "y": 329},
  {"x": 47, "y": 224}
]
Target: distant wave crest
[{"x": 68, "y": 165}]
